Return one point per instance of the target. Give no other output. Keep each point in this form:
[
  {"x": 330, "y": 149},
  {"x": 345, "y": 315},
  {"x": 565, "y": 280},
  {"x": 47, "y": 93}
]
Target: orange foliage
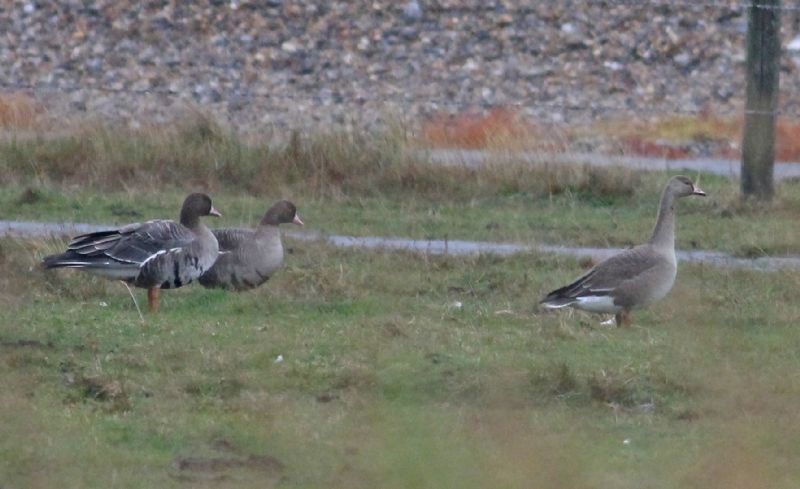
[
  {"x": 787, "y": 140},
  {"x": 642, "y": 146},
  {"x": 658, "y": 139},
  {"x": 18, "y": 110},
  {"x": 473, "y": 130}
]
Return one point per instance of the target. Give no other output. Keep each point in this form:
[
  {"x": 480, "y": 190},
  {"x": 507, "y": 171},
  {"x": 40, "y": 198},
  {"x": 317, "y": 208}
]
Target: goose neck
[
  {"x": 189, "y": 219},
  {"x": 664, "y": 230}
]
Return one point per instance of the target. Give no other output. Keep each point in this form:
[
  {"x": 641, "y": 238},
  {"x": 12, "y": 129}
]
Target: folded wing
[
  {"x": 606, "y": 278},
  {"x": 120, "y": 252}
]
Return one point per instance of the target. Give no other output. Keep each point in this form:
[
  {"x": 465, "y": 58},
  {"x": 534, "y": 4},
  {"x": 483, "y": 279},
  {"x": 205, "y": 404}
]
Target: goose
[
  {"x": 636, "y": 277},
  {"x": 249, "y": 257},
  {"x": 157, "y": 254}
]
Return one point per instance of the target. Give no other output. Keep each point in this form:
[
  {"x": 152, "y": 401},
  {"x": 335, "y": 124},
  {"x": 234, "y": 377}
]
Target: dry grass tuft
[
  {"x": 630, "y": 388},
  {"x": 559, "y": 381},
  {"x": 195, "y": 469},
  {"x": 30, "y": 196},
  {"x": 625, "y": 389},
  {"x": 221, "y": 388},
  {"x": 601, "y": 185},
  {"x": 19, "y": 111},
  {"x": 109, "y": 392}
]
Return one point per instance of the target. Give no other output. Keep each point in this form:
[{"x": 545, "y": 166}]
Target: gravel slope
[{"x": 305, "y": 62}]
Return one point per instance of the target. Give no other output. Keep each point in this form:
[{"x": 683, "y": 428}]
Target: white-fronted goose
[
  {"x": 249, "y": 257},
  {"x": 158, "y": 254},
  {"x": 633, "y": 278}
]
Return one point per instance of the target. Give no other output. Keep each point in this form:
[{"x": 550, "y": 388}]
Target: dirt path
[
  {"x": 728, "y": 168},
  {"x": 28, "y": 229}
]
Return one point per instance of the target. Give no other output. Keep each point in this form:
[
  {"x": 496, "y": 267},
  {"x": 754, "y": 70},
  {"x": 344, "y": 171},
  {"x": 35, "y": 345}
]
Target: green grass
[
  {"x": 370, "y": 184},
  {"x": 386, "y": 383},
  {"x": 717, "y": 222},
  {"x": 385, "y": 380}
]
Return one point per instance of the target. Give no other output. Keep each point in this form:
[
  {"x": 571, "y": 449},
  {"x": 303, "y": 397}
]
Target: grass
[
  {"x": 621, "y": 215},
  {"x": 396, "y": 370},
  {"x": 386, "y": 382},
  {"x": 195, "y": 152},
  {"x": 370, "y": 186}
]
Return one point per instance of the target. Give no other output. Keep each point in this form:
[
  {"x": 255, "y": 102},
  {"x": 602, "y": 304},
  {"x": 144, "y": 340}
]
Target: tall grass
[
  {"x": 200, "y": 153},
  {"x": 196, "y": 152},
  {"x": 19, "y": 111}
]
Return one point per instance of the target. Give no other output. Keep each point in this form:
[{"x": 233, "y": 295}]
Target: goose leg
[
  {"x": 623, "y": 318},
  {"x": 134, "y": 301},
  {"x": 153, "y": 294}
]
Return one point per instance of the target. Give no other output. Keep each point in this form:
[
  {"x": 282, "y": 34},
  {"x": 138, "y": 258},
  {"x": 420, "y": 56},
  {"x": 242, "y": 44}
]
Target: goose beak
[
  {"x": 214, "y": 212},
  {"x": 698, "y": 191},
  {"x": 297, "y": 220}
]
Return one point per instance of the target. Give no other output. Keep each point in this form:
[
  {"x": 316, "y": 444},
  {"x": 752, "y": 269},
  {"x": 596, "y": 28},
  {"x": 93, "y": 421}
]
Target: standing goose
[
  {"x": 158, "y": 254},
  {"x": 249, "y": 257},
  {"x": 636, "y": 277}
]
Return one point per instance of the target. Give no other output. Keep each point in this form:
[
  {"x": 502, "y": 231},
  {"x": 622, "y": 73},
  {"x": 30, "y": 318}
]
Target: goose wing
[
  {"x": 134, "y": 243},
  {"x": 119, "y": 253},
  {"x": 232, "y": 238},
  {"x": 605, "y": 278}
]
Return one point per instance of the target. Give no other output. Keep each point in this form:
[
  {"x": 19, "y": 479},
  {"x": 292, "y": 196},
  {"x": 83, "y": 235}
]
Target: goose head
[
  {"x": 681, "y": 186},
  {"x": 195, "y": 206},
  {"x": 282, "y": 212}
]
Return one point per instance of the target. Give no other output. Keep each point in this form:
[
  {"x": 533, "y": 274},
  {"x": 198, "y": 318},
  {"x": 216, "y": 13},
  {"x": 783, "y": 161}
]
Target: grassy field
[
  {"x": 386, "y": 382},
  {"x": 367, "y": 369},
  {"x": 718, "y": 222},
  {"x": 357, "y": 186}
]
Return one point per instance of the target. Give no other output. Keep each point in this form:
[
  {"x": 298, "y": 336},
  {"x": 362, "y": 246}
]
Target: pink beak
[
  {"x": 214, "y": 212},
  {"x": 698, "y": 191},
  {"x": 297, "y": 220}
]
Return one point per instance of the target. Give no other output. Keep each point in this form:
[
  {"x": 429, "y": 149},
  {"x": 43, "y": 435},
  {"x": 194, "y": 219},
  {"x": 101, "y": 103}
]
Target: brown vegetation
[
  {"x": 500, "y": 127},
  {"x": 673, "y": 137},
  {"x": 19, "y": 111},
  {"x": 201, "y": 154}
]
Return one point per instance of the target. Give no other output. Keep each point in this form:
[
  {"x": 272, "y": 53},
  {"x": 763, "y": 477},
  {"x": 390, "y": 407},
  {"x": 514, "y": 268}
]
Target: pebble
[{"x": 268, "y": 60}]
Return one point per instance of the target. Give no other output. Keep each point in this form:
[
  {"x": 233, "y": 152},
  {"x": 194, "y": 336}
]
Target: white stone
[{"x": 289, "y": 46}]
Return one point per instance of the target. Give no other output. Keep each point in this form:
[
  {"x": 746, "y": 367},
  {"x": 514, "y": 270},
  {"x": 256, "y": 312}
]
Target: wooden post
[{"x": 763, "y": 68}]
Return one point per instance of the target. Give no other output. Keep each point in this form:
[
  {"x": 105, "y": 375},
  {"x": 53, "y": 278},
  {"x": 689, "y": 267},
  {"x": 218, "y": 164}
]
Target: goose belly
[
  {"x": 173, "y": 268},
  {"x": 255, "y": 265},
  {"x": 247, "y": 279},
  {"x": 124, "y": 274},
  {"x": 658, "y": 291},
  {"x": 244, "y": 276},
  {"x": 593, "y": 303}
]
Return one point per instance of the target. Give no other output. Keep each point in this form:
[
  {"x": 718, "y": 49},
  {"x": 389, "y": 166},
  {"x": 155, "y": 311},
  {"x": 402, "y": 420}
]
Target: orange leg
[
  {"x": 153, "y": 294},
  {"x": 623, "y": 318}
]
